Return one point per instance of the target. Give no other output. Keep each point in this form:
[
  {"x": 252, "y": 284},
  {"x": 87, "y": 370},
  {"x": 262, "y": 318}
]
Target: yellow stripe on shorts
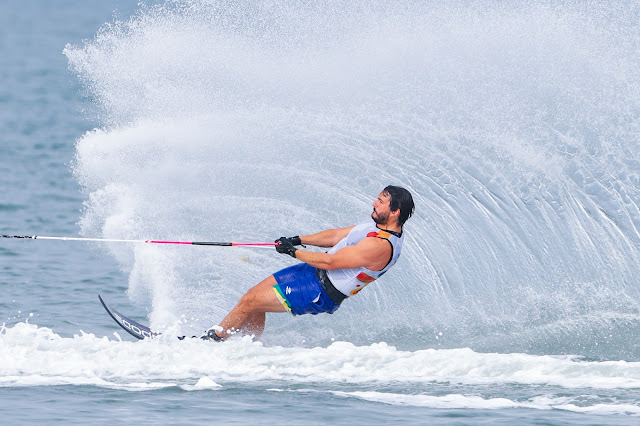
[{"x": 282, "y": 298}]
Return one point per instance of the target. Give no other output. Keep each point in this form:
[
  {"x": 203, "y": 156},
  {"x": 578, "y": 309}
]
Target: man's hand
[
  {"x": 285, "y": 245},
  {"x": 296, "y": 241}
]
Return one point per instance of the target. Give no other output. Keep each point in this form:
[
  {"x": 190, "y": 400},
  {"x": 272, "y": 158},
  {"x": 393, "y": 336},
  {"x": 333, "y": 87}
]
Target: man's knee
[
  {"x": 249, "y": 301},
  {"x": 257, "y": 297}
]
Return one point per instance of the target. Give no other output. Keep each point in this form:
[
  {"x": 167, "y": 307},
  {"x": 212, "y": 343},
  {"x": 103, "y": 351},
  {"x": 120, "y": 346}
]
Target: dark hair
[{"x": 400, "y": 199}]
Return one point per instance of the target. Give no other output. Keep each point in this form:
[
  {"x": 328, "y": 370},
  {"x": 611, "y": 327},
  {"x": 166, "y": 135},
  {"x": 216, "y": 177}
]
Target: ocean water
[{"x": 515, "y": 126}]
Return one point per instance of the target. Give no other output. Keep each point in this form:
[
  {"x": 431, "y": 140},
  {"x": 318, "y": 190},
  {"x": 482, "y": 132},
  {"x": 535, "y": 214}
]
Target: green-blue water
[{"x": 515, "y": 301}]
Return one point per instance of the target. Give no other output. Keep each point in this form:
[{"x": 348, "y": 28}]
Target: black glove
[
  {"x": 284, "y": 245},
  {"x": 296, "y": 241}
]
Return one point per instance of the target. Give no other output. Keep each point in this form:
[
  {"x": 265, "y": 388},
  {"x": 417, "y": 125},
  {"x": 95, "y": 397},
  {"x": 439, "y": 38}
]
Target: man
[{"x": 359, "y": 255}]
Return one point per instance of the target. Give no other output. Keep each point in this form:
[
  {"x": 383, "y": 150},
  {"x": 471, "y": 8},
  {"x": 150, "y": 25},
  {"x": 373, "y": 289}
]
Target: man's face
[{"x": 381, "y": 209}]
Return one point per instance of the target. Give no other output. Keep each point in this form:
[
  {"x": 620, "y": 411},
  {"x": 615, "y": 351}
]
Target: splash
[
  {"x": 35, "y": 355},
  {"x": 515, "y": 127}
]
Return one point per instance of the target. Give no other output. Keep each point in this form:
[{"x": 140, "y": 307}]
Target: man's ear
[{"x": 395, "y": 214}]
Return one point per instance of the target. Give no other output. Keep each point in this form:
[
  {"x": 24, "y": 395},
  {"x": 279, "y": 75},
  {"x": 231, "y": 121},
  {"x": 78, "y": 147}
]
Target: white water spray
[{"x": 515, "y": 127}]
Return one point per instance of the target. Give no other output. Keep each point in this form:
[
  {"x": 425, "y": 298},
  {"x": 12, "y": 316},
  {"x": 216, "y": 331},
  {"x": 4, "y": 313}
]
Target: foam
[
  {"x": 446, "y": 401},
  {"x": 36, "y": 356},
  {"x": 458, "y": 401}
]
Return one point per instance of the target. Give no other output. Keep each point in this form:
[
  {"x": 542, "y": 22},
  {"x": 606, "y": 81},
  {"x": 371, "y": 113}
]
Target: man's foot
[{"x": 212, "y": 335}]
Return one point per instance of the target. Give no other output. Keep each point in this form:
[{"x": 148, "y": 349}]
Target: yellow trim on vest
[{"x": 384, "y": 234}]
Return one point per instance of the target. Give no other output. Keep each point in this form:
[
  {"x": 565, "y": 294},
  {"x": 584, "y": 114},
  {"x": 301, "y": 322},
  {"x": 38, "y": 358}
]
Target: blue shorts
[{"x": 300, "y": 291}]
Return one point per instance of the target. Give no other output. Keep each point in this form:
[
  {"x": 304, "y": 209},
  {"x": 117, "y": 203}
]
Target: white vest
[{"x": 351, "y": 281}]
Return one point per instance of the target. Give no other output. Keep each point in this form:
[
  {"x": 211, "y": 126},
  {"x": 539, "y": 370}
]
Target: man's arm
[
  {"x": 372, "y": 253},
  {"x": 328, "y": 238}
]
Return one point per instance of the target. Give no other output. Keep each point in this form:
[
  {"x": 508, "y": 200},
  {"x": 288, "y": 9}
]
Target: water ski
[
  {"x": 137, "y": 330},
  {"x": 132, "y": 327}
]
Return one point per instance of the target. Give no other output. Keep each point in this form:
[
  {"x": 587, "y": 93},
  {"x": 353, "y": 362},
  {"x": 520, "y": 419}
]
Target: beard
[{"x": 379, "y": 218}]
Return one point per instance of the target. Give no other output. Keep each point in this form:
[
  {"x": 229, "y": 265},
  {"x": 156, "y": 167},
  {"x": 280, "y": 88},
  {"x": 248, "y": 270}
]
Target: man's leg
[
  {"x": 255, "y": 324},
  {"x": 249, "y": 312}
]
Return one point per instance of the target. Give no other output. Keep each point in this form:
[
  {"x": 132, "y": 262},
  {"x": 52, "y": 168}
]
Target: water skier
[{"x": 358, "y": 255}]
